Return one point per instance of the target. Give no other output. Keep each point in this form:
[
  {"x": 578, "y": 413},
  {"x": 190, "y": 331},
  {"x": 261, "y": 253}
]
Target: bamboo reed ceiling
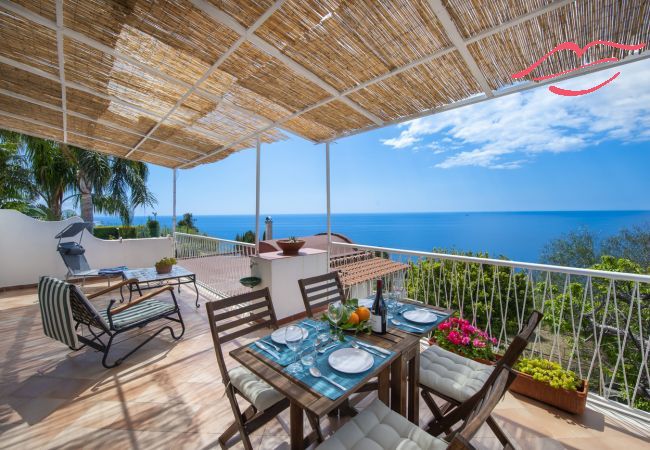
[{"x": 186, "y": 82}]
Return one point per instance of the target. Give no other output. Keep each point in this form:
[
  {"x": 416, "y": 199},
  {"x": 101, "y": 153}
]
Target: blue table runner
[
  {"x": 321, "y": 385},
  {"x": 348, "y": 381}
]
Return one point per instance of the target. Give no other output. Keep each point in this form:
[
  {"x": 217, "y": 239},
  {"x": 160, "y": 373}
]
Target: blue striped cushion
[
  {"x": 138, "y": 313},
  {"x": 54, "y": 301}
]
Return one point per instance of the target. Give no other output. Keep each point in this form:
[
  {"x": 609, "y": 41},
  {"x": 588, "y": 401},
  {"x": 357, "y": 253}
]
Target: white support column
[
  {"x": 257, "y": 196},
  {"x": 327, "y": 187},
  {"x": 174, "y": 202}
]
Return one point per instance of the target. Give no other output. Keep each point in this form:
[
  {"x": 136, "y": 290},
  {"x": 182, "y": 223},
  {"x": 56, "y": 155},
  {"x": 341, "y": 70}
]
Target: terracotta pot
[
  {"x": 164, "y": 269},
  {"x": 573, "y": 402},
  {"x": 290, "y": 247}
]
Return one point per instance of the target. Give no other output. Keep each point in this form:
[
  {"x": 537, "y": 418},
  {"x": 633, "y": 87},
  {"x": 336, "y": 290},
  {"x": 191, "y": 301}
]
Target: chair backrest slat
[
  {"x": 520, "y": 342},
  {"x": 237, "y": 316},
  {"x": 320, "y": 290},
  {"x": 489, "y": 396}
]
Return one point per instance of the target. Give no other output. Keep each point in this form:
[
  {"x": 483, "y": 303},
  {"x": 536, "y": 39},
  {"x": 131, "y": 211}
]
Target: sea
[{"x": 519, "y": 236}]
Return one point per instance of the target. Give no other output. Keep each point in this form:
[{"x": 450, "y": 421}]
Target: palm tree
[
  {"x": 110, "y": 185},
  {"x": 16, "y": 186},
  {"x": 96, "y": 182},
  {"x": 53, "y": 175}
]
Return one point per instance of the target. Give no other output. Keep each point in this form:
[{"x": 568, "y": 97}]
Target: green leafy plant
[
  {"x": 350, "y": 320},
  {"x": 550, "y": 373},
  {"x": 166, "y": 262}
]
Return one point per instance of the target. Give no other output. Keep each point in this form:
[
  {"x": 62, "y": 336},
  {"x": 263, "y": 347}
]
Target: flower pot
[
  {"x": 573, "y": 402},
  {"x": 290, "y": 247},
  {"x": 164, "y": 269},
  {"x": 487, "y": 362}
]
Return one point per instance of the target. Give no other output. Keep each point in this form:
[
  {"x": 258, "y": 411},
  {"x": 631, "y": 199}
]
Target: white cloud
[
  {"x": 403, "y": 141},
  {"x": 503, "y": 133}
]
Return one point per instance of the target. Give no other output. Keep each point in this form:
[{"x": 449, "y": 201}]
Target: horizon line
[{"x": 397, "y": 212}]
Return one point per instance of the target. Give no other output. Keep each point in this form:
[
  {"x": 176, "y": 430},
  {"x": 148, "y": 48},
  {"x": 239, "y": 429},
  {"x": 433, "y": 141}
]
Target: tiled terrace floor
[{"x": 169, "y": 395}]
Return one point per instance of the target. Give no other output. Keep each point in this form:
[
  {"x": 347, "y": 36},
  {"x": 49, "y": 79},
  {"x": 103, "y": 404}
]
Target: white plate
[
  {"x": 350, "y": 360},
  {"x": 278, "y": 335},
  {"x": 420, "y": 316},
  {"x": 367, "y": 302}
]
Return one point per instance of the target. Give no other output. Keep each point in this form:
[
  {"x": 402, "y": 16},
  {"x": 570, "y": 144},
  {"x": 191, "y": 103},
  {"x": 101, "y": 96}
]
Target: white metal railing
[
  {"x": 219, "y": 264},
  {"x": 596, "y": 322}
]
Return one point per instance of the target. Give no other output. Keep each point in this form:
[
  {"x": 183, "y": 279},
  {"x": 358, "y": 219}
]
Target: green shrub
[
  {"x": 154, "y": 227},
  {"x": 128, "y": 232},
  {"x": 550, "y": 373},
  {"x": 106, "y": 232}
]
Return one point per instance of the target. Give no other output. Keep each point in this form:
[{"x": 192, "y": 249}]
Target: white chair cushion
[
  {"x": 377, "y": 428},
  {"x": 452, "y": 375},
  {"x": 256, "y": 391}
]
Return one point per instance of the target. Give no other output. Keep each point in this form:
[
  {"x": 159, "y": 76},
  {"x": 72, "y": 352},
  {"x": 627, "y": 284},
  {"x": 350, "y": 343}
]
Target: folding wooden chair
[
  {"x": 233, "y": 318},
  {"x": 317, "y": 292},
  {"x": 379, "y": 427},
  {"x": 457, "y": 379}
]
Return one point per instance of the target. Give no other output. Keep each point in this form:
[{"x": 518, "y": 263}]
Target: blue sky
[{"x": 524, "y": 152}]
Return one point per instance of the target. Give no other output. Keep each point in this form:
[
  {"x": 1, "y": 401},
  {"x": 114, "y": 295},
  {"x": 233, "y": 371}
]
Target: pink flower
[
  {"x": 454, "y": 337},
  {"x": 465, "y": 340},
  {"x": 478, "y": 343},
  {"x": 467, "y": 328},
  {"x": 444, "y": 326},
  {"x": 494, "y": 341}
]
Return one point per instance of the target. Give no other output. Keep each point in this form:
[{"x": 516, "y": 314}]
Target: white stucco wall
[{"x": 28, "y": 249}]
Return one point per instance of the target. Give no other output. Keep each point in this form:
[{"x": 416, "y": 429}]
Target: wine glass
[
  {"x": 293, "y": 336},
  {"x": 307, "y": 357},
  {"x": 335, "y": 312},
  {"x": 322, "y": 338},
  {"x": 391, "y": 304}
]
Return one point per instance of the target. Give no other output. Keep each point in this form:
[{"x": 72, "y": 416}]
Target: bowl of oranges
[{"x": 354, "y": 318}]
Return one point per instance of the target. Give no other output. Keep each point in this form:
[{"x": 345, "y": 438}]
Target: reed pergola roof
[{"x": 182, "y": 83}]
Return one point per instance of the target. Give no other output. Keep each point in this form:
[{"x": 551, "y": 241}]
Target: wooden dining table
[{"x": 397, "y": 381}]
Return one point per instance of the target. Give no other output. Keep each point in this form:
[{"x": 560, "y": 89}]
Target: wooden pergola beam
[
  {"x": 224, "y": 19},
  {"x": 210, "y": 71},
  {"x": 457, "y": 40},
  {"x": 40, "y": 123}
]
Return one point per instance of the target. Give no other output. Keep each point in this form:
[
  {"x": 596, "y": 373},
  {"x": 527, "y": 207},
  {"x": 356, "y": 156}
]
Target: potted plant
[
  {"x": 549, "y": 383},
  {"x": 290, "y": 246},
  {"x": 461, "y": 337},
  {"x": 165, "y": 265}
]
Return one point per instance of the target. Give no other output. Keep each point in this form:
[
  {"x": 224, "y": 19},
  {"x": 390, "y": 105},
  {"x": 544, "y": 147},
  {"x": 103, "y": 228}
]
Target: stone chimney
[{"x": 269, "y": 228}]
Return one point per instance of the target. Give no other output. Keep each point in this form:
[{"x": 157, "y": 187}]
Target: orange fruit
[
  {"x": 353, "y": 319},
  {"x": 363, "y": 313}
]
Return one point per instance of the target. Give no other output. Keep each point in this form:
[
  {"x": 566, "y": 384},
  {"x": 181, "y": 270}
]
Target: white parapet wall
[{"x": 28, "y": 249}]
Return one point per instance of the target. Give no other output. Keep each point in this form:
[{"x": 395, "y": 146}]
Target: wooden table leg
[
  {"x": 398, "y": 386},
  {"x": 383, "y": 390},
  {"x": 296, "y": 426},
  {"x": 413, "y": 388}
]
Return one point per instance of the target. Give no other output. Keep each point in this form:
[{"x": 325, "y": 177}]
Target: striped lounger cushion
[
  {"x": 54, "y": 300},
  {"x": 139, "y": 313}
]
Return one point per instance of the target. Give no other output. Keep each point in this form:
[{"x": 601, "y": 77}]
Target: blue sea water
[{"x": 517, "y": 235}]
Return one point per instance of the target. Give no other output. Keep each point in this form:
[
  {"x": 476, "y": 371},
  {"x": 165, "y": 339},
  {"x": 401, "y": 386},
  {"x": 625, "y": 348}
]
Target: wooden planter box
[{"x": 573, "y": 402}]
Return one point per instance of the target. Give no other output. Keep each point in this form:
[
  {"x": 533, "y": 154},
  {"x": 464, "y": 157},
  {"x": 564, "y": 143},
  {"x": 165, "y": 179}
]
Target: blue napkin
[
  {"x": 347, "y": 380},
  {"x": 112, "y": 270}
]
